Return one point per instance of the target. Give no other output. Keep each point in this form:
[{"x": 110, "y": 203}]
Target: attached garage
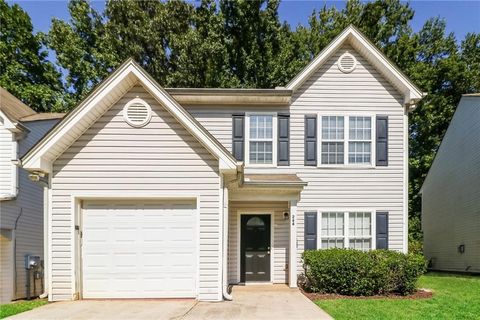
[{"x": 139, "y": 249}]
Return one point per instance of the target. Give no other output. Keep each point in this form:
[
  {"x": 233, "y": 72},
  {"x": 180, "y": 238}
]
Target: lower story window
[{"x": 346, "y": 230}]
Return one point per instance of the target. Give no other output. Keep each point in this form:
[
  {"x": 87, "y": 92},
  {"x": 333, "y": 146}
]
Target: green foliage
[
  {"x": 7, "y": 310},
  {"x": 454, "y": 297},
  {"x": 24, "y": 69},
  {"x": 358, "y": 273}
]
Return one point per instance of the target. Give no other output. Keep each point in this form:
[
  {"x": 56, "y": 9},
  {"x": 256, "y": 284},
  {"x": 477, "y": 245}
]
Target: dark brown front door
[{"x": 255, "y": 248}]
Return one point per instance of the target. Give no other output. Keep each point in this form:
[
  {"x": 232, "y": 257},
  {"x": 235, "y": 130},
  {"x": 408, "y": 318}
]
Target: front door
[{"x": 255, "y": 248}]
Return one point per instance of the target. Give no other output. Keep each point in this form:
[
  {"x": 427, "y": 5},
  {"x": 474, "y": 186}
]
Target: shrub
[{"x": 358, "y": 273}]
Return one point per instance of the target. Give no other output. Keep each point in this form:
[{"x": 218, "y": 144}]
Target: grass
[
  {"x": 454, "y": 297},
  {"x": 7, "y": 310}
]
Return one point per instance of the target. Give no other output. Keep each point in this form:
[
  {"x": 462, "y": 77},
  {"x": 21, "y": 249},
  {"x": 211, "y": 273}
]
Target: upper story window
[
  {"x": 341, "y": 133},
  {"x": 260, "y": 139}
]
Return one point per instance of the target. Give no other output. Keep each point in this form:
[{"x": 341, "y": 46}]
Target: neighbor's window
[
  {"x": 346, "y": 230},
  {"x": 333, "y": 135},
  {"x": 360, "y": 140},
  {"x": 261, "y": 139}
]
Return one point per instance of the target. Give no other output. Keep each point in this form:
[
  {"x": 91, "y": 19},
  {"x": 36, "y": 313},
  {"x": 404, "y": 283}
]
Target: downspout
[
  {"x": 226, "y": 295},
  {"x": 46, "y": 276}
]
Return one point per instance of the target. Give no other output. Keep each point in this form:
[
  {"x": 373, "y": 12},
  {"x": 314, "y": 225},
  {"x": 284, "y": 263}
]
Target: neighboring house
[
  {"x": 21, "y": 200},
  {"x": 158, "y": 193},
  {"x": 451, "y": 194}
]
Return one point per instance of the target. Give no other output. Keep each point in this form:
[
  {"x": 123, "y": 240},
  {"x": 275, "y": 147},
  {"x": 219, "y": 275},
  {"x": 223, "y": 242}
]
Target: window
[
  {"x": 346, "y": 230},
  {"x": 360, "y": 140},
  {"x": 333, "y": 229},
  {"x": 261, "y": 139},
  {"x": 333, "y": 140},
  {"x": 346, "y": 140}
]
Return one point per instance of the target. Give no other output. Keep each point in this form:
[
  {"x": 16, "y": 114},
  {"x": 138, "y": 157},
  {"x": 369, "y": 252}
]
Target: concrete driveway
[{"x": 250, "y": 302}]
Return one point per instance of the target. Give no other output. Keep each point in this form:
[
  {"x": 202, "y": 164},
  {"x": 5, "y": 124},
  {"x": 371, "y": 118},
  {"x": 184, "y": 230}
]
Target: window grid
[
  {"x": 261, "y": 139},
  {"x": 333, "y": 140},
  {"x": 346, "y": 230},
  {"x": 360, "y": 137},
  {"x": 346, "y": 140}
]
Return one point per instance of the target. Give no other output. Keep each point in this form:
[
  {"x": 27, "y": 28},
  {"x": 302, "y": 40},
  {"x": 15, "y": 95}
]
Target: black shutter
[
  {"x": 310, "y": 140},
  {"x": 238, "y": 136},
  {"x": 310, "y": 231},
  {"x": 283, "y": 139},
  {"x": 382, "y": 230},
  {"x": 382, "y": 141}
]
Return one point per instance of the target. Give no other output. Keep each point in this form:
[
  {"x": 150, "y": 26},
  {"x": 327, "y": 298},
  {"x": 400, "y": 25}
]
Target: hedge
[{"x": 359, "y": 273}]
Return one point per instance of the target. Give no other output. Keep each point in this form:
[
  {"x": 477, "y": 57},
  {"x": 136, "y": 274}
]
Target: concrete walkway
[{"x": 250, "y": 302}]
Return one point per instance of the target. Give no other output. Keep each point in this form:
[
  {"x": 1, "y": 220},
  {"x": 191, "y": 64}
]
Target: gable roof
[
  {"x": 360, "y": 42},
  {"x": 12, "y": 107},
  {"x": 67, "y": 131}
]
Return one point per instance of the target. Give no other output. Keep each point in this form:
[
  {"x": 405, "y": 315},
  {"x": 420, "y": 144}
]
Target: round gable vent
[
  {"x": 347, "y": 62},
  {"x": 137, "y": 113}
]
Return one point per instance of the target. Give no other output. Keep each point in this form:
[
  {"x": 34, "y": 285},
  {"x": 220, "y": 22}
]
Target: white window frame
[
  {"x": 274, "y": 139},
  {"x": 346, "y": 225},
  {"x": 346, "y": 140}
]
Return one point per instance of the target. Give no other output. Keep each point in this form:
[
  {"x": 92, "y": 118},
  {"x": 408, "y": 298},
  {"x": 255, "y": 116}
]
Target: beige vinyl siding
[
  {"x": 6, "y": 266},
  {"x": 113, "y": 156},
  {"x": 451, "y": 194},
  {"x": 331, "y": 91},
  {"x": 279, "y": 247},
  {"x": 7, "y": 178},
  {"x": 27, "y": 207}
]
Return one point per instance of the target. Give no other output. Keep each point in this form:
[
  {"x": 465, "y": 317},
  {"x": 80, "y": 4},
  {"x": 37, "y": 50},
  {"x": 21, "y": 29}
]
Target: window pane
[
  {"x": 332, "y": 152},
  {"x": 332, "y": 243},
  {"x": 360, "y": 244},
  {"x": 332, "y": 226},
  {"x": 332, "y": 128},
  {"x": 360, "y": 128},
  {"x": 261, "y": 152},
  {"x": 359, "y": 152},
  {"x": 261, "y": 127},
  {"x": 360, "y": 225}
]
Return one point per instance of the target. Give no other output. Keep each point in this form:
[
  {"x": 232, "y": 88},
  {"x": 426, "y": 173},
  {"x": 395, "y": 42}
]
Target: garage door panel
[{"x": 143, "y": 250}]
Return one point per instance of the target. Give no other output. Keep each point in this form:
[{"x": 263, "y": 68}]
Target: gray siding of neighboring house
[
  {"x": 330, "y": 90},
  {"x": 28, "y": 208},
  {"x": 451, "y": 194},
  {"x": 113, "y": 156}
]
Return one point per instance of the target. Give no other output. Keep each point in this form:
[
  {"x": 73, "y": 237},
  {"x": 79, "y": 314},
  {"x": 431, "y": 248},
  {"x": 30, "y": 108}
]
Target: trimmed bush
[{"x": 359, "y": 273}]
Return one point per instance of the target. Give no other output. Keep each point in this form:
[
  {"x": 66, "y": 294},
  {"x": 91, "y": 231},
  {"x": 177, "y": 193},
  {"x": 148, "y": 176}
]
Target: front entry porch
[{"x": 262, "y": 230}]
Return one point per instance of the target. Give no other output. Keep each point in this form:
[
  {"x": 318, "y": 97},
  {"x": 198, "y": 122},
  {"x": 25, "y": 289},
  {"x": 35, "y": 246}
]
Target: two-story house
[
  {"x": 157, "y": 193},
  {"x": 21, "y": 200}
]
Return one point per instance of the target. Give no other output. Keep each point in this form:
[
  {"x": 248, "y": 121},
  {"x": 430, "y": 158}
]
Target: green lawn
[
  {"x": 454, "y": 297},
  {"x": 10, "y": 309}
]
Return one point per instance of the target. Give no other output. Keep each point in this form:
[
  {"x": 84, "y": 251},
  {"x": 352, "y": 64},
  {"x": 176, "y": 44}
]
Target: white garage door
[{"x": 139, "y": 250}]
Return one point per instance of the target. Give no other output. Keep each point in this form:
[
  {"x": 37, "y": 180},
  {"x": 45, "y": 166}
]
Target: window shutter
[
  {"x": 238, "y": 136},
  {"x": 310, "y": 231},
  {"x": 310, "y": 140},
  {"x": 382, "y": 141},
  {"x": 283, "y": 139},
  {"x": 382, "y": 230}
]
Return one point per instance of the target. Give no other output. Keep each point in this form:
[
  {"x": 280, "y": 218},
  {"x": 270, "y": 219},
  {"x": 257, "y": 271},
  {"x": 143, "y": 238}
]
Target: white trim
[
  {"x": 38, "y": 158},
  {"x": 274, "y": 139},
  {"x": 346, "y": 216},
  {"x": 410, "y": 91},
  {"x": 346, "y": 120},
  {"x": 239, "y": 239},
  {"x": 76, "y": 200},
  {"x": 292, "y": 252},
  {"x": 405, "y": 182}
]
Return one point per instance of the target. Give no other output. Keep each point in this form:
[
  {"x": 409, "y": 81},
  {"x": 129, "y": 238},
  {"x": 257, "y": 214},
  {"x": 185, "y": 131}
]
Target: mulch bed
[{"x": 420, "y": 294}]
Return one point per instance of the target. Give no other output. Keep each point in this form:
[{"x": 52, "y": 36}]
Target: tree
[{"x": 24, "y": 69}]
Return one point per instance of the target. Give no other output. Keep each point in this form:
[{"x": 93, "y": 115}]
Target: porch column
[{"x": 292, "y": 257}]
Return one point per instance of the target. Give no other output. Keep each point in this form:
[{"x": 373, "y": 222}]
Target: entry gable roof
[
  {"x": 67, "y": 131},
  {"x": 360, "y": 42}
]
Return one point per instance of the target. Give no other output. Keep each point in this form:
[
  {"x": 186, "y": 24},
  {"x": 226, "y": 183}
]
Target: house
[
  {"x": 21, "y": 200},
  {"x": 162, "y": 193},
  {"x": 451, "y": 194}
]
